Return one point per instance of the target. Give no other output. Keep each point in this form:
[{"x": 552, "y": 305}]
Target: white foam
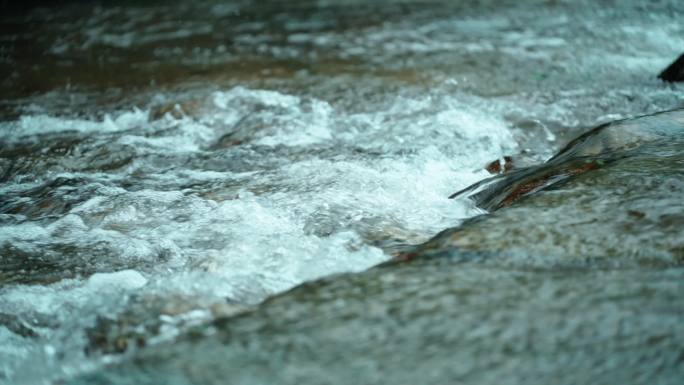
[
  {"x": 275, "y": 118},
  {"x": 125, "y": 279},
  {"x": 31, "y": 125},
  {"x": 382, "y": 173}
]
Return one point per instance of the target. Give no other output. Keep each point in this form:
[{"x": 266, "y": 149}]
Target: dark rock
[
  {"x": 16, "y": 326},
  {"x": 674, "y": 72},
  {"x": 28, "y": 325}
]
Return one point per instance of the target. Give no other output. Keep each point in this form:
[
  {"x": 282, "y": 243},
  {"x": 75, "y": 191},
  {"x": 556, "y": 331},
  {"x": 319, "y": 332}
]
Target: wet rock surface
[
  {"x": 524, "y": 295},
  {"x": 592, "y": 150},
  {"x": 632, "y": 167},
  {"x": 435, "y": 321}
]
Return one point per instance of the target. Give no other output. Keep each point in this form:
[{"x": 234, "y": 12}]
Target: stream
[{"x": 165, "y": 166}]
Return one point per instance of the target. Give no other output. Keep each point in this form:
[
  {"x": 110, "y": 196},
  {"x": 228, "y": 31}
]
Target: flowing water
[{"x": 192, "y": 160}]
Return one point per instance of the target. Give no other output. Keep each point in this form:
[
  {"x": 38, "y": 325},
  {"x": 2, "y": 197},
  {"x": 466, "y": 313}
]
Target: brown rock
[
  {"x": 498, "y": 167},
  {"x": 176, "y": 109}
]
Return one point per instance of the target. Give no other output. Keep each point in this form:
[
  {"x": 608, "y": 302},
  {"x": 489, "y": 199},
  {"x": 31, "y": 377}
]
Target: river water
[{"x": 210, "y": 155}]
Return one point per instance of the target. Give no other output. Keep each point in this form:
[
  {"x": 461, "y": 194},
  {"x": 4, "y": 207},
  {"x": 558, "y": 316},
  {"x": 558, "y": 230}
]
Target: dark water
[{"x": 162, "y": 166}]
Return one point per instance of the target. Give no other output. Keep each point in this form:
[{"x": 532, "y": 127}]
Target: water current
[{"x": 214, "y": 153}]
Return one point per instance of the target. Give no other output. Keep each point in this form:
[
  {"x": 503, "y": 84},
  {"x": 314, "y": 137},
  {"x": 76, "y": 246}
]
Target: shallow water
[
  {"x": 197, "y": 154},
  {"x": 576, "y": 282}
]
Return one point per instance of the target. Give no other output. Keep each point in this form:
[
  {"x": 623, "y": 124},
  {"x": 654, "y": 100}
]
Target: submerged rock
[
  {"x": 579, "y": 282},
  {"x": 16, "y": 326},
  {"x": 500, "y": 166},
  {"x": 178, "y": 110},
  {"x": 134, "y": 328}
]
